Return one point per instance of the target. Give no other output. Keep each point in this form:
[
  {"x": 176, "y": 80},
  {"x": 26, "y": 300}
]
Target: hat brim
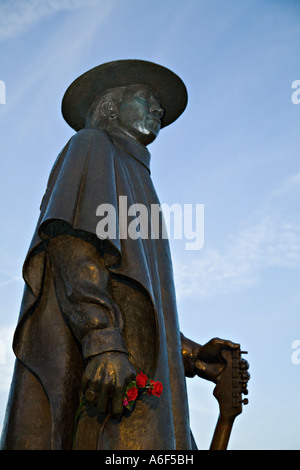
[{"x": 80, "y": 95}]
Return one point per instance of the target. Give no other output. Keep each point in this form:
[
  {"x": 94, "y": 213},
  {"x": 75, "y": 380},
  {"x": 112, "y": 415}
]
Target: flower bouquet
[{"x": 140, "y": 386}]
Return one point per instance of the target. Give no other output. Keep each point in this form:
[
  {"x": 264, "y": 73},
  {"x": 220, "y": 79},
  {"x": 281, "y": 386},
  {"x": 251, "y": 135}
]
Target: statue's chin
[
  {"x": 146, "y": 133},
  {"x": 141, "y": 132}
]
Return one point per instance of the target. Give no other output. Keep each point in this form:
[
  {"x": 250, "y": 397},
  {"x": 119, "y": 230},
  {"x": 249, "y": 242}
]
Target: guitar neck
[
  {"x": 228, "y": 392},
  {"x": 222, "y": 433}
]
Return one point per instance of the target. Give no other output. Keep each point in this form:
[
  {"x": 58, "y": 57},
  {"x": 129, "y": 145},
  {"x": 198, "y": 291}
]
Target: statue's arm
[
  {"x": 83, "y": 291},
  {"x": 189, "y": 351},
  {"x": 206, "y": 360}
]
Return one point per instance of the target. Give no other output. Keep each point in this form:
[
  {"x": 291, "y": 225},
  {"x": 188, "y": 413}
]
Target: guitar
[{"x": 230, "y": 387}]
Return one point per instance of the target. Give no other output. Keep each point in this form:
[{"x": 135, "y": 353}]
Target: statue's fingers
[
  {"x": 227, "y": 344},
  {"x": 208, "y": 371},
  {"x": 103, "y": 400},
  {"x": 117, "y": 402},
  {"x": 91, "y": 395},
  {"x": 89, "y": 390}
]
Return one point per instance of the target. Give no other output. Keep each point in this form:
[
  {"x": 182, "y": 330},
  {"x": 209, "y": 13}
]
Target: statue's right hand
[{"x": 105, "y": 379}]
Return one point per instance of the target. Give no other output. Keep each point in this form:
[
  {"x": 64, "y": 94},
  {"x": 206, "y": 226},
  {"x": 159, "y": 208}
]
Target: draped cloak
[{"x": 95, "y": 168}]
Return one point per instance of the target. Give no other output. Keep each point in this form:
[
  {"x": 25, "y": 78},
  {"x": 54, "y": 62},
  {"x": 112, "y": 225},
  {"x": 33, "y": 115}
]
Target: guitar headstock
[{"x": 232, "y": 384}]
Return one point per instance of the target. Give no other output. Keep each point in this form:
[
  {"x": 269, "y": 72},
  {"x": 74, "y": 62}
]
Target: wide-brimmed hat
[{"x": 80, "y": 95}]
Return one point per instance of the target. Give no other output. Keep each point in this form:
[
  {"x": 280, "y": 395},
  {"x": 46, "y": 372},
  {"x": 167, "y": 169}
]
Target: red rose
[
  {"x": 141, "y": 380},
  {"x": 157, "y": 389},
  {"x": 150, "y": 390},
  {"x": 132, "y": 393}
]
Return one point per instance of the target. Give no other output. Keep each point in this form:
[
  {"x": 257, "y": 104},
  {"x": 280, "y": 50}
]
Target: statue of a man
[{"x": 99, "y": 310}]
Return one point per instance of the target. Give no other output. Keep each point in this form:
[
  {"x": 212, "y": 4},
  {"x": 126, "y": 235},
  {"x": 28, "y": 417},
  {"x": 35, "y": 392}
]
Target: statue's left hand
[
  {"x": 105, "y": 379},
  {"x": 211, "y": 351},
  {"x": 209, "y": 362}
]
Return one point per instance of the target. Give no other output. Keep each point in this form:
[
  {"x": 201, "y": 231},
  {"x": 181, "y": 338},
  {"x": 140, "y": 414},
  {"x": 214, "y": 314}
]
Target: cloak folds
[{"x": 95, "y": 168}]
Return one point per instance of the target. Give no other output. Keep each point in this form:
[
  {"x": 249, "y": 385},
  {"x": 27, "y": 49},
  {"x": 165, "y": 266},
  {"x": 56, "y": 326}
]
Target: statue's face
[{"x": 139, "y": 114}]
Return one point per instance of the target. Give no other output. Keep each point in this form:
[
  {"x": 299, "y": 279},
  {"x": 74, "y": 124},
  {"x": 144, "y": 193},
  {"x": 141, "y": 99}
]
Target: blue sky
[{"x": 235, "y": 150}]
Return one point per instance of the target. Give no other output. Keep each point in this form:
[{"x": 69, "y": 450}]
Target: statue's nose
[{"x": 157, "y": 110}]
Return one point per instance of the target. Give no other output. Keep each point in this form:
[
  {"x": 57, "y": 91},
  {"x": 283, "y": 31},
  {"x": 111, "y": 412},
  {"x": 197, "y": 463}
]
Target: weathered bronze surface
[{"x": 97, "y": 311}]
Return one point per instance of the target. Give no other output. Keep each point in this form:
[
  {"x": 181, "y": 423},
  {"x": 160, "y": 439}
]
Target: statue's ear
[{"x": 109, "y": 108}]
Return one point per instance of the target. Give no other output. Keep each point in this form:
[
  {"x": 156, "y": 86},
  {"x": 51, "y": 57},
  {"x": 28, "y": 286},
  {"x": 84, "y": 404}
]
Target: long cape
[{"x": 95, "y": 168}]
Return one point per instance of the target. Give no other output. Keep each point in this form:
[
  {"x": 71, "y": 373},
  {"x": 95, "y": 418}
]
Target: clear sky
[{"x": 235, "y": 150}]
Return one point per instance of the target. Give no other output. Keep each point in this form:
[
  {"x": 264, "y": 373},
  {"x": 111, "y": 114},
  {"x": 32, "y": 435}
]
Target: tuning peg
[{"x": 245, "y": 401}]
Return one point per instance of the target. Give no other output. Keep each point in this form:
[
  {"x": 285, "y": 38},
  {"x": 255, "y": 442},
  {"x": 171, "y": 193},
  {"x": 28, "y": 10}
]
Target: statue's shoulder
[
  {"x": 90, "y": 136},
  {"x": 91, "y": 144}
]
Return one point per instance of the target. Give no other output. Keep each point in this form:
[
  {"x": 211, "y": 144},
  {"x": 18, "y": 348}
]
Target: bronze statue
[{"x": 98, "y": 311}]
